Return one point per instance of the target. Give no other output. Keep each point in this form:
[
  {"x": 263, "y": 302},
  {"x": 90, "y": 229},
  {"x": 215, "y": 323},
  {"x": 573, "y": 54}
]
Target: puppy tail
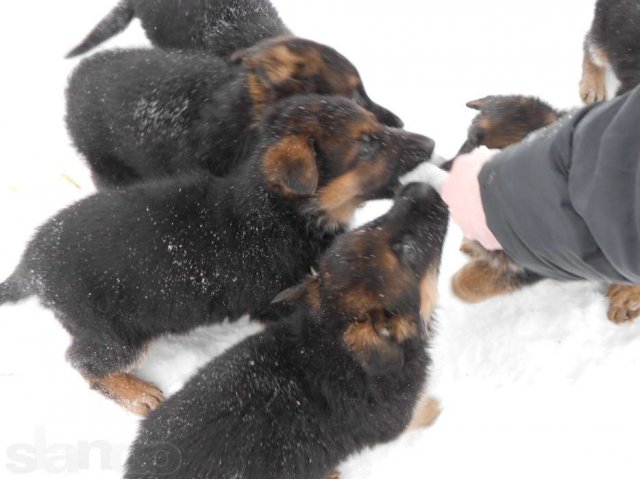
[
  {"x": 115, "y": 22},
  {"x": 15, "y": 288}
]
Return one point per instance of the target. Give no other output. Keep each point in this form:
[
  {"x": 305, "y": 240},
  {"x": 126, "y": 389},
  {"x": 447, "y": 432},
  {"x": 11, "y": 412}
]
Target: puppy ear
[
  {"x": 290, "y": 166},
  {"x": 272, "y": 63},
  {"x": 480, "y": 103},
  {"x": 297, "y": 293},
  {"x": 377, "y": 355}
]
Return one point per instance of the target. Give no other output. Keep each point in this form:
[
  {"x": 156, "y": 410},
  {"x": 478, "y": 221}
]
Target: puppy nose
[
  {"x": 428, "y": 145},
  {"x": 423, "y": 146}
]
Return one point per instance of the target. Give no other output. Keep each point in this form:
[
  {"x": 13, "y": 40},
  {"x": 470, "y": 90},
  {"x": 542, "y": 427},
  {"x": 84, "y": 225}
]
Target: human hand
[{"x": 461, "y": 192}]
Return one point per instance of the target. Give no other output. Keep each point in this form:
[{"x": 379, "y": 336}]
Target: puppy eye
[
  {"x": 369, "y": 145},
  {"x": 407, "y": 251}
]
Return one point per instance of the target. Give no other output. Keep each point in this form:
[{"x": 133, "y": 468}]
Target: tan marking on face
[
  {"x": 354, "y": 82},
  {"x": 342, "y": 196},
  {"x": 362, "y": 338},
  {"x": 403, "y": 327},
  {"x": 359, "y": 300},
  {"x": 129, "y": 391},
  {"x": 368, "y": 125}
]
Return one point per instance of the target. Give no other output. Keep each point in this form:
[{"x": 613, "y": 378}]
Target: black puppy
[
  {"x": 614, "y": 39},
  {"x": 141, "y": 114},
  {"x": 125, "y": 266},
  {"x": 343, "y": 373},
  {"x": 217, "y": 26}
]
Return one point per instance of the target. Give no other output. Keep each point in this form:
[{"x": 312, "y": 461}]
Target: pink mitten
[{"x": 461, "y": 191}]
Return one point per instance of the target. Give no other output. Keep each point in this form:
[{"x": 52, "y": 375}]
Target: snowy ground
[{"x": 534, "y": 385}]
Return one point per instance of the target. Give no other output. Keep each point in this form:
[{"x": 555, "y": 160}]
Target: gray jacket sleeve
[{"x": 565, "y": 202}]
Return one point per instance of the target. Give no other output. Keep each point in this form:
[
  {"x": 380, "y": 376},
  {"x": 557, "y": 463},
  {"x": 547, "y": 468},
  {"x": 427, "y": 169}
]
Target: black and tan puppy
[
  {"x": 614, "y": 39},
  {"x": 503, "y": 120},
  {"x": 125, "y": 266},
  {"x": 216, "y": 26},
  {"x": 142, "y": 114},
  {"x": 343, "y": 373}
]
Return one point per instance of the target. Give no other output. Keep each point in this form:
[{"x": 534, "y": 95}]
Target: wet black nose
[
  {"x": 420, "y": 146},
  {"x": 428, "y": 145}
]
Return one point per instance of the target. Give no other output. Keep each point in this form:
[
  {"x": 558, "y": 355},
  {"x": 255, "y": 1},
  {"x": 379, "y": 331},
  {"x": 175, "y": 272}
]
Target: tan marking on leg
[
  {"x": 425, "y": 414},
  {"x": 592, "y": 84},
  {"x": 129, "y": 391},
  {"x": 477, "y": 281},
  {"x": 624, "y": 303}
]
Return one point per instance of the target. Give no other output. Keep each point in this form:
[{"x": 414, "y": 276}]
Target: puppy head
[
  {"x": 378, "y": 284},
  {"x": 505, "y": 120},
  {"x": 285, "y": 66},
  {"x": 330, "y": 155}
]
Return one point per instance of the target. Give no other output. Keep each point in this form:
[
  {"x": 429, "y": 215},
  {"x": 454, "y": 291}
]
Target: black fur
[
  {"x": 295, "y": 401},
  {"x": 616, "y": 30},
  {"x": 142, "y": 114},
  {"x": 216, "y": 26},
  {"x": 122, "y": 267},
  {"x": 14, "y": 289}
]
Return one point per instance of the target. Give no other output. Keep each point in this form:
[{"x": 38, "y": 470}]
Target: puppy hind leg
[{"x": 105, "y": 365}]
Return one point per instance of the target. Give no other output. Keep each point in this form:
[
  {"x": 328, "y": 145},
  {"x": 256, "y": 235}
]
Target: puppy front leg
[
  {"x": 592, "y": 84},
  {"x": 129, "y": 391},
  {"x": 105, "y": 362},
  {"x": 624, "y": 303}
]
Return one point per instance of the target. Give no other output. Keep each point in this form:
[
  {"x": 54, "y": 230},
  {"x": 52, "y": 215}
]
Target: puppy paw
[
  {"x": 592, "y": 85},
  {"x": 477, "y": 281},
  {"x": 334, "y": 474},
  {"x": 624, "y": 303},
  {"x": 426, "y": 413},
  {"x": 130, "y": 392}
]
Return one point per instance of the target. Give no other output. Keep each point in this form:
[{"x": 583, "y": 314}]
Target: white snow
[{"x": 537, "y": 384}]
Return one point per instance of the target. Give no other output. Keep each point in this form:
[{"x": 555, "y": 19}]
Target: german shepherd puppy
[
  {"x": 343, "y": 373},
  {"x": 122, "y": 267},
  {"x": 216, "y": 26},
  {"x": 614, "y": 39},
  {"x": 141, "y": 114},
  {"x": 502, "y": 121}
]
